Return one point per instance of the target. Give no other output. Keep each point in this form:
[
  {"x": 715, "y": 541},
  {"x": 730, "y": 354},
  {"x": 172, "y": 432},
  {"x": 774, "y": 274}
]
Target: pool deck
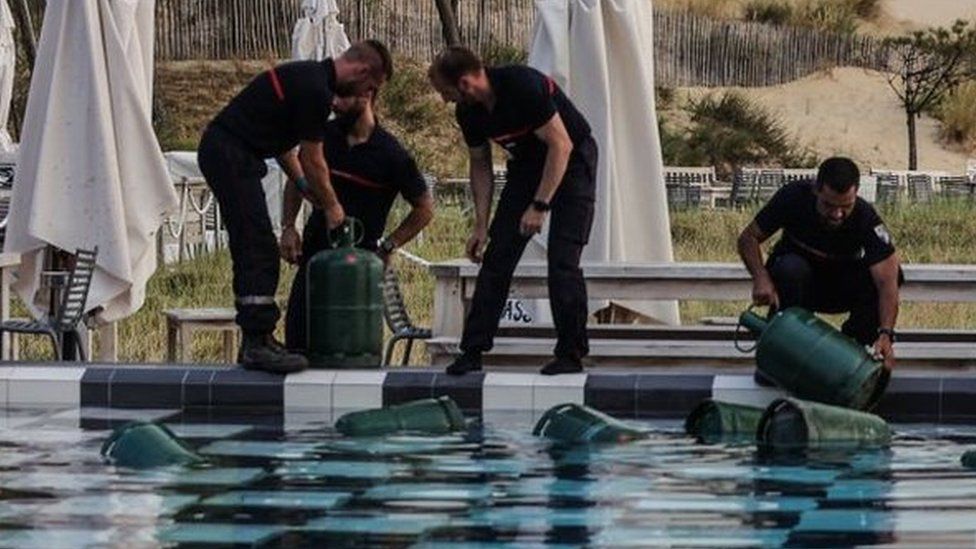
[{"x": 914, "y": 395}]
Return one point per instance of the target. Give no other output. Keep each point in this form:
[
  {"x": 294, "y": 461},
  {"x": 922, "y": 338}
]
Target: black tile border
[
  {"x": 612, "y": 393},
  {"x": 913, "y": 397}
]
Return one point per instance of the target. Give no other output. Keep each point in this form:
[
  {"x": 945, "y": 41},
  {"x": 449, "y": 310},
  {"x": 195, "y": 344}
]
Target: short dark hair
[
  {"x": 453, "y": 63},
  {"x": 375, "y": 55},
  {"x": 838, "y": 173}
]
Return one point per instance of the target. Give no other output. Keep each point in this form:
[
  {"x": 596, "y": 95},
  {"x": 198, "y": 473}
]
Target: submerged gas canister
[
  {"x": 144, "y": 445},
  {"x": 344, "y": 304},
  {"x": 434, "y": 416},
  {"x": 713, "y": 421},
  {"x": 808, "y": 357},
  {"x": 793, "y": 423},
  {"x": 578, "y": 424}
]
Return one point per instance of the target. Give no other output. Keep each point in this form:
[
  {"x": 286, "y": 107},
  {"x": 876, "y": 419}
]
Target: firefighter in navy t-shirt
[
  {"x": 551, "y": 171},
  {"x": 368, "y": 168},
  {"x": 281, "y": 109},
  {"x": 835, "y": 256}
]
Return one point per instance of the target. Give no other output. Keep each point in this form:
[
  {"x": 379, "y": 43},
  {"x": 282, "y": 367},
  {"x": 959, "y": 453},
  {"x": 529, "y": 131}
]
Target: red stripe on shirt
[
  {"x": 276, "y": 84},
  {"x": 358, "y": 180},
  {"x": 501, "y": 139}
]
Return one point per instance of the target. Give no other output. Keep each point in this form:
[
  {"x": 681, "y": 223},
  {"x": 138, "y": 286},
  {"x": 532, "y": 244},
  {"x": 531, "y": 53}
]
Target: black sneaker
[
  {"x": 467, "y": 362},
  {"x": 264, "y": 353},
  {"x": 562, "y": 366}
]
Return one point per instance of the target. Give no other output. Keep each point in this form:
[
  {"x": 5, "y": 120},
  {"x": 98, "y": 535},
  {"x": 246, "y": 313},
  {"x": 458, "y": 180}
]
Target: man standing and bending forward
[
  {"x": 282, "y": 108},
  {"x": 551, "y": 171}
]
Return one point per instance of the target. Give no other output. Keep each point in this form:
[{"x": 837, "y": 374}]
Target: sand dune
[
  {"x": 930, "y": 13},
  {"x": 853, "y": 112}
]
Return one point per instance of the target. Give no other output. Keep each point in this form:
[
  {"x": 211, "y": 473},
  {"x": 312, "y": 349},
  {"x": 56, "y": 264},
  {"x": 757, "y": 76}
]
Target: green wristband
[{"x": 302, "y": 184}]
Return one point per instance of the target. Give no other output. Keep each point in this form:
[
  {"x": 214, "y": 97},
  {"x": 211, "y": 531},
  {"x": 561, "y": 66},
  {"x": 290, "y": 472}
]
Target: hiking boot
[
  {"x": 468, "y": 362},
  {"x": 264, "y": 353},
  {"x": 562, "y": 365}
]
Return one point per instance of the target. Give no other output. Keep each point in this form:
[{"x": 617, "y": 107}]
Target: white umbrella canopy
[
  {"x": 601, "y": 54},
  {"x": 318, "y": 33},
  {"x": 8, "y": 61},
  {"x": 90, "y": 171}
]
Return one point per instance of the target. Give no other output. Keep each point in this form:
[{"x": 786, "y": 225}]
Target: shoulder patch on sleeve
[{"x": 882, "y": 233}]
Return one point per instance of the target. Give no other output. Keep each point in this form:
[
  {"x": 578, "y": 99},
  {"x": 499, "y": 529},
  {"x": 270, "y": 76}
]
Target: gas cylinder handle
[
  {"x": 738, "y": 330},
  {"x": 347, "y": 233}
]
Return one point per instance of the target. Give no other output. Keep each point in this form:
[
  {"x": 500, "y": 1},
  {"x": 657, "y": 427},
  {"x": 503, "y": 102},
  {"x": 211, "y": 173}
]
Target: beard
[
  {"x": 346, "y": 89},
  {"x": 346, "y": 120}
]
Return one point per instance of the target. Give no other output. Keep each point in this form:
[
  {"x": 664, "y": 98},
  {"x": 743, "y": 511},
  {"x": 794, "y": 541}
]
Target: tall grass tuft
[
  {"x": 958, "y": 115},
  {"x": 729, "y": 130}
]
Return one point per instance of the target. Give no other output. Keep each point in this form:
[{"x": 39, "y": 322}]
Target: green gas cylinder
[
  {"x": 969, "y": 459},
  {"x": 344, "y": 303},
  {"x": 793, "y": 423},
  {"x": 144, "y": 445},
  {"x": 433, "y": 416},
  {"x": 714, "y": 421},
  {"x": 578, "y": 424},
  {"x": 812, "y": 360}
]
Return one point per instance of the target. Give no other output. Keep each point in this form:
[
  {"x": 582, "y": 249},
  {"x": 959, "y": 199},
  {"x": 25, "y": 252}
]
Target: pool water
[{"x": 497, "y": 486}]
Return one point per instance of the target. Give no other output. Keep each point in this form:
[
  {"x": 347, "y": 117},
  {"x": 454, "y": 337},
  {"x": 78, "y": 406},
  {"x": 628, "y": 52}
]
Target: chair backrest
[
  {"x": 886, "y": 193},
  {"x": 920, "y": 187},
  {"x": 75, "y": 293},
  {"x": 769, "y": 181},
  {"x": 394, "y": 307},
  {"x": 744, "y": 186}
]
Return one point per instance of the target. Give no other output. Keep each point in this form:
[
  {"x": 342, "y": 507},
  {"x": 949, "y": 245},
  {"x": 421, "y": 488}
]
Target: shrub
[
  {"x": 773, "y": 12},
  {"x": 958, "y": 115},
  {"x": 730, "y": 131}
]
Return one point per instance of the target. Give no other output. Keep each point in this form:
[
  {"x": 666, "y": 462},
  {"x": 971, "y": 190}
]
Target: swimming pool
[{"x": 274, "y": 485}]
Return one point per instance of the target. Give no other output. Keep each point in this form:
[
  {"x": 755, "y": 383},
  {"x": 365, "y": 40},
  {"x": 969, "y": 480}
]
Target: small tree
[{"x": 925, "y": 66}]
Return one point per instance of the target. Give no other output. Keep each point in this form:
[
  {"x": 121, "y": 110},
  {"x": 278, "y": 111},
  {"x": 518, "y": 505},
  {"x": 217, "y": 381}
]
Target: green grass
[{"x": 938, "y": 233}]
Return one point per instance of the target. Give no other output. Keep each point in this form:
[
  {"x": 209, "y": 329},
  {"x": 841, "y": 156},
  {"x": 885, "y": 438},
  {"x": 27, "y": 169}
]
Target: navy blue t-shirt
[
  {"x": 281, "y": 107},
  {"x": 526, "y": 100},
  {"x": 367, "y": 178},
  {"x": 862, "y": 239}
]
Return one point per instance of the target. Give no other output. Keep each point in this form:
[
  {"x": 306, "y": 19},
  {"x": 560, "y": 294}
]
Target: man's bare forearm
[
  {"x": 557, "y": 159},
  {"x": 482, "y": 185},
  {"x": 290, "y": 206},
  {"x": 421, "y": 213},
  {"x": 750, "y": 251}
]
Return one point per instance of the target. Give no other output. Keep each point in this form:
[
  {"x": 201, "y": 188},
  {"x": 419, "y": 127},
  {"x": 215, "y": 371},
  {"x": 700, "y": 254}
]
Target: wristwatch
[
  {"x": 386, "y": 245},
  {"x": 890, "y": 332},
  {"x": 540, "y": 205}
]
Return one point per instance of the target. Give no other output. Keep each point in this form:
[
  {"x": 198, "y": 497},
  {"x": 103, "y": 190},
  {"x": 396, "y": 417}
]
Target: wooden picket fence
[{"x": 689, "y": 50}]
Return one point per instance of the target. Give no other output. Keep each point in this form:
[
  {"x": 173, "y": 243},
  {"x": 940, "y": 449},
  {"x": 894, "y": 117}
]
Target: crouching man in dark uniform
[
  {"x": 551, "y": 168},
  {"x": 835, "y": 256},
  {"x": 280, "y": 109},
  {"x": 368, "y": 169}
]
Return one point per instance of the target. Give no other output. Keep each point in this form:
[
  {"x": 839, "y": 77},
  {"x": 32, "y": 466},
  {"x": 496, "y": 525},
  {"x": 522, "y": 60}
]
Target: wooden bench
[
  {"x": 181, "y": 323},
  {"x": 455, "y": 281}
]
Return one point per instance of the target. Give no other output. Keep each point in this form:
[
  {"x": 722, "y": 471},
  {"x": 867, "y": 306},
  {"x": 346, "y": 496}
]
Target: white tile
[
  {"x": 310, "y": 390},
  {"x": 3, "y": 393},
  {"x": 507, "y": 391},
  {"x": 358, "y": 389},
  {"x": 48, "y": 373},
  {"x": 739, "y": 389},
  {"x": 7, "y": 372},
  {"x": 33, "y": 386},
  {"x": 43, "y": 393},
  {"x": 549, "y": 391}
]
